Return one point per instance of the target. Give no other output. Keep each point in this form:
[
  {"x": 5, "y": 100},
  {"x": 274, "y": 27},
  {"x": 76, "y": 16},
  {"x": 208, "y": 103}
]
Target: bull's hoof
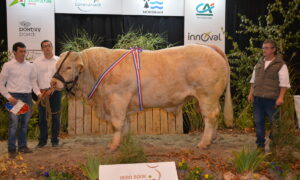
[
  {"x": 112, "y": 147},
  {"x": 203, "y": 146}
]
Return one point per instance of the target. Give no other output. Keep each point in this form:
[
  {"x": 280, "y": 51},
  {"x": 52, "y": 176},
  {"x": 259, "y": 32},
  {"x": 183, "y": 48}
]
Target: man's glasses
[
  {"x": 46, "y": 46},
  {"x": 267, "y": 47}
]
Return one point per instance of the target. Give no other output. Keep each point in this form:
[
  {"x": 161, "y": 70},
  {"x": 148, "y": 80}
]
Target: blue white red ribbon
[{"x": 137, "y": 64}]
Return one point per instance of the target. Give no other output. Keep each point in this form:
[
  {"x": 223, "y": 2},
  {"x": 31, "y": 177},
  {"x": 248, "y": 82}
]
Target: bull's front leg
[
  {"x": 118, "y": 124},
  {"x": 116, "y": 107}
]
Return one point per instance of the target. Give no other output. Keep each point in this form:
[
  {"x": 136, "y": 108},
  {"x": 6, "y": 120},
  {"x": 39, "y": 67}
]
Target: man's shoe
[
  {"x": 12, "y": 154},
  {"x": 55, "y": 145},
  {"x": 40, "y": 145},
  {"x": 25, "y": 149}
]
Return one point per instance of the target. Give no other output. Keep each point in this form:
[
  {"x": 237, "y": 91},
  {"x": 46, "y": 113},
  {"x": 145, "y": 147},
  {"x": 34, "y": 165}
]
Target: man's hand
[
  {"x": 49, "y": 91},
  {"x": 40, "y": 96},
  {"x": 12, "y": 100},
  {"x": 279, "y": 101},
  {"x": 250, "y": 98}
]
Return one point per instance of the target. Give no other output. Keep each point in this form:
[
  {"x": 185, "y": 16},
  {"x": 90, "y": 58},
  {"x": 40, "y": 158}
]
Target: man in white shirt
[
  {"x": 45, "y": 67},
  {"x": 269, "y": 83},
  {"x": 17, "y": 80}
]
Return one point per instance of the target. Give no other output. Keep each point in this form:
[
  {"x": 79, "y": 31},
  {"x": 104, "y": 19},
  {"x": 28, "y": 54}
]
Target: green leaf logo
[{"x": 14, "y": 2}]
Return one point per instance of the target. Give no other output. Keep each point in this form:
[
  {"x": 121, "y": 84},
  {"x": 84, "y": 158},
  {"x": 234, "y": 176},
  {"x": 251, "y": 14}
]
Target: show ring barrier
[{"x": 82, "y": 120}]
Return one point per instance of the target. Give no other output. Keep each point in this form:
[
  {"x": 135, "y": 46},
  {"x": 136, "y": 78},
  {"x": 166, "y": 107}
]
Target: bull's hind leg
[{"x": 210, "y": 110}]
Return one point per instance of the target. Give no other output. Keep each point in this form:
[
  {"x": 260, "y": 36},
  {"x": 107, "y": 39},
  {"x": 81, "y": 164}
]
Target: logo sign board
[
  {"x": 30, "y": 22},
  {"x": 139, "y": 171},
  {"x": 204, "y": 22}
]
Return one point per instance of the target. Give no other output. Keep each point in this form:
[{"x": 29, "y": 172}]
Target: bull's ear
[
  {"x": 79, "y": 67},
  {"x": 79, "y": 62}
]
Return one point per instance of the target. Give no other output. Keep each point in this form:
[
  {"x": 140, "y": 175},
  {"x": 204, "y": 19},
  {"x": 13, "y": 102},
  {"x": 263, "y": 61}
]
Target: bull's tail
[{"x": 228, "y": 112}]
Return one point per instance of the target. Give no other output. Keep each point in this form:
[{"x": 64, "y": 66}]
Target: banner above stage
[
  {"x": 121, "y": 7},
  {"x": 204, "y": 22},
  {"x": 30, "y": 22},
  {"x": 88, "y": 6},
  {"x": 153, "y": 7}
]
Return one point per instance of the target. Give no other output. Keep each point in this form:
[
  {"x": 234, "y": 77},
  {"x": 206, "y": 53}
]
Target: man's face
[
  {"x": 20, "y": 54},
  {"x": 47, "y": 48},
  {"x": 268, "y": 49}
]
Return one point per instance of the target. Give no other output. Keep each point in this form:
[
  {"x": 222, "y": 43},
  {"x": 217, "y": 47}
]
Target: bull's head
[{"x": 69, "y": 67}]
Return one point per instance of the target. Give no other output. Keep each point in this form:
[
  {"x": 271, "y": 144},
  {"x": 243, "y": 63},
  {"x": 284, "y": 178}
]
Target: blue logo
[
  {"x": 205, "y": 9},
  {"x": 153, "y": 4}
]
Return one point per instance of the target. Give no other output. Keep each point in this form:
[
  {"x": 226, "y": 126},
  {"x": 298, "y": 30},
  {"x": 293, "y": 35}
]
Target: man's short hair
[
  {"x": 272, "y": 42},
  {"x": 44, "y": 42},
  {"x": 18, "y": 45}
]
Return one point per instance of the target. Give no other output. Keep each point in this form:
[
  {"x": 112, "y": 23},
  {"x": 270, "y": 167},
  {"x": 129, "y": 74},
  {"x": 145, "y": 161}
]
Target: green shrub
[
  {"x": 280, "y": 168},
  {"x": 248, "y": 160},
  {"x": 135, "y": 38},
  {"x": 243, "y": 60},
  {"x": 64, "y": 113},
  {"x": 79, "y": 40},
  {"x": 55, "y": 175},
  {"x": 91, "y": 168},
  {"x": 284, "y": 141},
  {"x": 195, "y": 119},
  {"x": 130, "y": 151}
]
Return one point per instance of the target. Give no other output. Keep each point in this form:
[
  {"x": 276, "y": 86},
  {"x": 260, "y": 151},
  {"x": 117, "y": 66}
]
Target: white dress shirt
[
  {"x": 45, "y": 69},
  {"x": 16, "y": 77},
  {"x": 283, "y": 73}
]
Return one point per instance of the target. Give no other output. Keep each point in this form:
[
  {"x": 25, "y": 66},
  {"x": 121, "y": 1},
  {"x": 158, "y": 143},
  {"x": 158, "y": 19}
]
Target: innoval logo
[
  {"x": 205, "y": 9},
  {"x": 14, "y": 2}
]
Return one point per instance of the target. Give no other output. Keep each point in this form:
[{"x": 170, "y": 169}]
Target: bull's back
[{"x": 170, "y": 75}]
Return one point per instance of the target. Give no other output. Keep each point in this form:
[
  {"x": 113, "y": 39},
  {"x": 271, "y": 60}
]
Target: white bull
[{"x": 168, "y": 77}]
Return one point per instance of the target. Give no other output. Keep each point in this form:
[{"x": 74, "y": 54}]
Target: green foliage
[
  {"x": 64, "y": 113},
  {"x": 33, "y": 124},
  {"x": 182, "y": 165},
  {"x": 245, "y": 118},
  {"x": 195, "y": 173},
  {"x": 55, "y": 175},
  {"x": 91, "y": 168},
  {"x": 248, "y": 160},
  {"x": 3, "y": 112},
  {"x": 284, "y": 141},
  {"x": 130, "y": 151},
  {"x": 4, "y": 56},
  {"x": 280, "y": 168},
  {"x": 297, "y": 177},
  {"x": 243, "y": 60},
  {"x": 79, "y": 40},
  {"x": 195, "y": 118},
  {"x": 135, "y": 38},
  {"x": 3, "y": 124}
]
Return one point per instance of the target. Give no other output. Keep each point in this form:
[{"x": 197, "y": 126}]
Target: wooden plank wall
[{"x": 82, "y": 119}]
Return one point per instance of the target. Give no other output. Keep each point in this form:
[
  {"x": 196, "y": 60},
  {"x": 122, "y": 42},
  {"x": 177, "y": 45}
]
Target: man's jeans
[
  {"x": 13, "y": 123},
  {"x": 263, "y": 107},
  {"x": 55, "y": 104}
]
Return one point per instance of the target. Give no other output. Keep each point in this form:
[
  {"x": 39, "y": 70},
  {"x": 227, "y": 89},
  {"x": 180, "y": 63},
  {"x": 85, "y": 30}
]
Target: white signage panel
[
  {"x": 153, "y": 7},
  {"x": 204, "y": 22},
  {"x": 30, "y": 22},
  {"x": 88, "y": 6},
  {"x": 140, "y": 171}
]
